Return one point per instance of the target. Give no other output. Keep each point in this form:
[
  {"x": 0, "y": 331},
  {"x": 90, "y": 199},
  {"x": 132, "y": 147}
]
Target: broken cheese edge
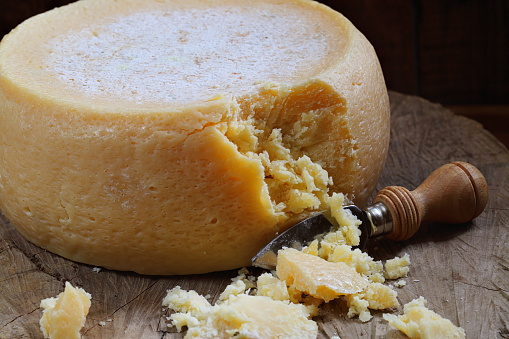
[{"x": 64, "y": 315}]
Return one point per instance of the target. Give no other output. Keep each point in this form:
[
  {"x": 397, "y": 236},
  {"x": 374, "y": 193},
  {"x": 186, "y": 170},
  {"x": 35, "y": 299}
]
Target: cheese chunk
[
  {"x": 64, "y": 316},
  {"x": 318, "y": 277},
  {"x": 178, "y": 137},
  {"x": 417, "y": 321},
  {"x": 376, "y": 297},
  {"x": 242, "y": 316},
  {"x": 397, "y": 267}
]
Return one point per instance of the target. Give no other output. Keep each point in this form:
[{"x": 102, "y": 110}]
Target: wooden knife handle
[{"x": 454, "y": 193}]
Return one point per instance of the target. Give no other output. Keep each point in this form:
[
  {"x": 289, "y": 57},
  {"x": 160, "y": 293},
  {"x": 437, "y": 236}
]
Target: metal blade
[{"x": 297, "y": 237}]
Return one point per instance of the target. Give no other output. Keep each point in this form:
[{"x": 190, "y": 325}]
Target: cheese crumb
[
  {"x": 417, "y": 321},
  {"x": 400, "y": 283},
  {"x": 358, "y": 307},
  {"x": 271, "y": 286},
  {"x": 376, "y": 297},
  {"x": 397, "y": 267},
  {"x": 349, "y": 223},
  {"x": 64, "y": 316}
]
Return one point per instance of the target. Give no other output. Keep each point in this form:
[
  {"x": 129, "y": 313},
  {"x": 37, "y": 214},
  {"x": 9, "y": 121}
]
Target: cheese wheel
[{"x": 178, "y": 137}]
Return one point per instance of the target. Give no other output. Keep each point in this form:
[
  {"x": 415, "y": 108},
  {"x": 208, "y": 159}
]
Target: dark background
[{"x": 454, "y": 52}]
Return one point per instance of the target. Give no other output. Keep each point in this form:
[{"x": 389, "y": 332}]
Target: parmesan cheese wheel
[{"x": 178, "y": 137}]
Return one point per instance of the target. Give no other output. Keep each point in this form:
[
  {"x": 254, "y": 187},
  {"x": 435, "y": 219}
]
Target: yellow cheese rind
[
  {"x": 64, "y": 316},
  {"x": 133, "y": 181},
  {"x": 419, "y": 322}
]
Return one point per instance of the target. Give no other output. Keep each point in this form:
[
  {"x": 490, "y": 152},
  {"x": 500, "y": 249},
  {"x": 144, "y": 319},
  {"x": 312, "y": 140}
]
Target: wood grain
[{"x": 462, "y": 270}]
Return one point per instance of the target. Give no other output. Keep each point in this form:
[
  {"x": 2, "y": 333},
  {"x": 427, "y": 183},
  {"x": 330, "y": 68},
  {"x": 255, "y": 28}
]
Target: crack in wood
[
  {"x": 122, "y": 306},
  {"x": 12, "y": 246},
  {"x": 40, "y": 265},
  {"x": 19, "y": 316},
  {"x": 498, "y": 289},
  {"x": 135, "y": 297},
  {"x": 16, "y": 274},
  {"x": 2, "y": 250}
]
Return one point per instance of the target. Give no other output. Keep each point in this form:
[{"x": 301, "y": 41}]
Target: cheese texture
[
  {"x": 397, "y": 267},
  {"x": 239, "y": 315},
  {"x": 376, "y": 297},
  {"x": 177, "y": 137},
  {"x": 64, "y": 316},
  {"x": 317, "y": 277},
  {"x": 419, "y": 322},
  {"x": 337, "y": 247},
  {"x": 304, "y": 279}
]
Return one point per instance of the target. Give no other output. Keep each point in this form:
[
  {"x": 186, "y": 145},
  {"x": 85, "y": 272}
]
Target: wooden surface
[
  {"x": 462, "y": 270},
  {"x": 494, "y": 118}
]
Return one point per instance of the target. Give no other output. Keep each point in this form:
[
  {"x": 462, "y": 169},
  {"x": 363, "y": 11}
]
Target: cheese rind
[{"x": 199, "y": 179}]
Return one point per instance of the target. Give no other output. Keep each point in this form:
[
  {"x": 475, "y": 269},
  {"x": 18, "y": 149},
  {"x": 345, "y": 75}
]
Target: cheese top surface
[{"x": 149, "y": 54}]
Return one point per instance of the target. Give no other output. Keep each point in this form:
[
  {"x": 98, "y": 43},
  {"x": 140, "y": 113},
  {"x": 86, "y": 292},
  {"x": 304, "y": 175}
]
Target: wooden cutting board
[{"x": 462, "y": 270}]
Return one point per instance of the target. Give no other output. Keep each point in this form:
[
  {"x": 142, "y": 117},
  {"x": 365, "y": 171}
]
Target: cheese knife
[{"x": 454, "y": 193}]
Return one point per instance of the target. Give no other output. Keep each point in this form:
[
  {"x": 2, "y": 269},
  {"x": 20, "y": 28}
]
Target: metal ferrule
[{"x": 380, "y": 218}]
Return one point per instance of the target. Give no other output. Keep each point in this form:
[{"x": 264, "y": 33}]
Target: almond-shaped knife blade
[
  {"x": 296, "y": 237},
  {"x": 302, "y": 234}
]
